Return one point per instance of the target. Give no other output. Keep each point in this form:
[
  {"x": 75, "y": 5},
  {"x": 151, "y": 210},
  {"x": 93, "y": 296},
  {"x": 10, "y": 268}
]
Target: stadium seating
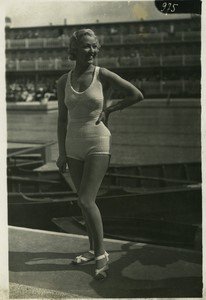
[{"x": 38, "y": 56}]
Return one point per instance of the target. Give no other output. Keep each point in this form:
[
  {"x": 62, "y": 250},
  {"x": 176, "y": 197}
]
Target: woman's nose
[{"x": 91, "y": 49}]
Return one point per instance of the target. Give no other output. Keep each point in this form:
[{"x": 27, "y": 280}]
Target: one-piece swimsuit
[{"x": 83, "y": 136}]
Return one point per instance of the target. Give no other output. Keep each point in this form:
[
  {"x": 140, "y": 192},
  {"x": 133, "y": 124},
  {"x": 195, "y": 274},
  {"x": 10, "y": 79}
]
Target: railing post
[
  {"x": 36, "y": 64},
  {"x": 183, "y": 86},
  {"x": 100, "y": 39},
  {"x": 44, "y": 43},
  {"x": 17, "y": 65},
  {"x": 161, "y": 60},
  {"x": 55, "y": 64},
  {"x": 139, "y": 60},
  {"x": 9, "y": 44},
  {"x": 183, "y": 59},
  {"x": 161, "y": 87},
  {"x": 26, "y": 43}
]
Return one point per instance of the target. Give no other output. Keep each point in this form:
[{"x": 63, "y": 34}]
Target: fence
[
  {"x": 106, "y": 40},
  {"x": 110, "y": 62}
]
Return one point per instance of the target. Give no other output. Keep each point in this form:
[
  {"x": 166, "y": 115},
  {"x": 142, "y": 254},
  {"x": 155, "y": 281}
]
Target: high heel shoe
[
  {"x": 101, "y": 274},
  {"x": 81, "y": 259}
]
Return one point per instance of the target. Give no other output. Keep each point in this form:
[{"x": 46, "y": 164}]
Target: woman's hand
[
  {"x": 61, "y": 163},
  {"x": 103, "y": 117}
]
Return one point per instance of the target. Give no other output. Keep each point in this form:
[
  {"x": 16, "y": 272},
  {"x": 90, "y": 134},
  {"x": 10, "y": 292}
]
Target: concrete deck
[{"x": 40, "y": 267}]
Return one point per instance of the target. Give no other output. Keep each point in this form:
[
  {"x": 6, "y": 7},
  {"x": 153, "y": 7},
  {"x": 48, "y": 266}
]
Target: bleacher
[{"x": 144, "y": 52}]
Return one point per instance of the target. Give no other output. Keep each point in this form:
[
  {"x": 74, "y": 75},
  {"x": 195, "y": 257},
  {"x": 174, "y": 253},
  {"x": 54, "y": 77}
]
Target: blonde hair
[{"x": 75, "y": 39}]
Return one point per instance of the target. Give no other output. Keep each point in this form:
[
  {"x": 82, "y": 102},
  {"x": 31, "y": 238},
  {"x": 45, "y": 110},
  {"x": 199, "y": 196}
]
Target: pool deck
[{"x": 40, "y": 267}]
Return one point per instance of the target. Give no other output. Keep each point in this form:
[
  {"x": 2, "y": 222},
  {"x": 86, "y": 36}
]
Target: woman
[{"x": 83, "y": 139}]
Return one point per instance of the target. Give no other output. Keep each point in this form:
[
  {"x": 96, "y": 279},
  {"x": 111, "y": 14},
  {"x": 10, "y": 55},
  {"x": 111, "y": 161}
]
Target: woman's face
[{"x": 87, "y": 49}]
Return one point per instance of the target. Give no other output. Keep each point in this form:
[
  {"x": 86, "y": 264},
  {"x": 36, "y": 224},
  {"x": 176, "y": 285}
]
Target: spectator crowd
[
  {"x": 25, "y": 90},
  {"x": 32, "y": 53}
]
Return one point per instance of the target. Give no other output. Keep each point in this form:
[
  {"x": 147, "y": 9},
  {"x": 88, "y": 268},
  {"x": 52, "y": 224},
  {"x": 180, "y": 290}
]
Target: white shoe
[
  {"x": 81, "y": 259},
  {"x": 101, "y": 274}
]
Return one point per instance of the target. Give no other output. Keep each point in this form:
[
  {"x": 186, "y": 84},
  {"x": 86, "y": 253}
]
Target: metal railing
[
  {"x": 169, "y": 87},
  {"x": 110, "y": 62},
  {"x": 35, "y": 65},
  {"x": 105, "y": 40}
]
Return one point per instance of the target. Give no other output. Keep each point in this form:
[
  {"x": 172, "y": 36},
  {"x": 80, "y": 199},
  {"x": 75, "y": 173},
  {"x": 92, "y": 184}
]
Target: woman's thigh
[
  {"x": 94, "y": 170},
  {"x": 76, "y": 171}
]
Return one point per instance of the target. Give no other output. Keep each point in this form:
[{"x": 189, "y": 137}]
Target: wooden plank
[
  {"x": 172, "y": 180},
  {"x": 68, "y": 180},
  {"x": 48, "y": 167},
  {"x": 147, "y": 155},
  {"x": 18, "y": 145},
  {"x": 30, "y": 149},
  {"x": 161, "y": 140},
  {"x": 26, "y": 156},
  {"x": 23, "y": 164},
  {"x": 35, "y": 180}
]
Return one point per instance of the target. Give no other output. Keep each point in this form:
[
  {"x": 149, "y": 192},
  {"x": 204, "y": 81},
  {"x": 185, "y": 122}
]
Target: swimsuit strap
[
  {"x": 97, "y": 68},
  {"x": 96, "y": 72},
  {"x": 94, "y": 78}
]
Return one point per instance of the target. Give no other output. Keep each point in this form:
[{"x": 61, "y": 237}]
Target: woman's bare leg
[
  {"x": 76, "y": 171},
  {"x": 95, "y": 167}
]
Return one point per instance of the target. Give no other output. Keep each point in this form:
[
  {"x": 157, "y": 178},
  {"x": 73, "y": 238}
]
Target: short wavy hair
[{"x": 75, "y": 39}]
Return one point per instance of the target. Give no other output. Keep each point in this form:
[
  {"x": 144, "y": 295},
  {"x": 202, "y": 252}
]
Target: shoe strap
[
  {"x": 82, "y": 258},
  {"x": 105, "y": 255}
]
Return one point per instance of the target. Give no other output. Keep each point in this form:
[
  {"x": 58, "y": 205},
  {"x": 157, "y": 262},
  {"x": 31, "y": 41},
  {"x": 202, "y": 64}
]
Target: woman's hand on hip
[
  {"x": 61, "y": 163},
  {"x": 103, "y": 117}
]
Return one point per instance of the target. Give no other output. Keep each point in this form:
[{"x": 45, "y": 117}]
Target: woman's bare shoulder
[
  {"x": 104, "y": 72},
  {"x": 62, "y": 80},
  {"x": 105, "y": 75},
  {"x": 61, "y": 84}
]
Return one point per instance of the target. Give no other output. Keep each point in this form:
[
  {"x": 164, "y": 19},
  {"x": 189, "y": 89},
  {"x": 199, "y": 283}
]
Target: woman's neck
[{"x": 80, "y": 69}]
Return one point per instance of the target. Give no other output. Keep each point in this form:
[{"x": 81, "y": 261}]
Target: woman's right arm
[{"x": 61, "y": 123}]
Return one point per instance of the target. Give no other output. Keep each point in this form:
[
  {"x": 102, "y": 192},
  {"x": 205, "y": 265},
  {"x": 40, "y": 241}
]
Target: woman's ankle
[
  {"x": 99, "y": 252},
  {"x": 100, "y": 263}
]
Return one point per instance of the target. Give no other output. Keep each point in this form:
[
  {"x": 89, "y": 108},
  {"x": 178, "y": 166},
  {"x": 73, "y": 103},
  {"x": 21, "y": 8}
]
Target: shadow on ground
[{"x": 135, "y": 271}]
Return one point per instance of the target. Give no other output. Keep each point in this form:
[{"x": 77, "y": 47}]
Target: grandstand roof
[{"x": 107, "y": 23}]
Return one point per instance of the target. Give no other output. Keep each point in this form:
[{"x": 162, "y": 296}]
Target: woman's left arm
[{"x": 133, "y": 94}]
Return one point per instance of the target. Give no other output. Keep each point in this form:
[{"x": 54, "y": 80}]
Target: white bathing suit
[{"x": 84, "y": 137}]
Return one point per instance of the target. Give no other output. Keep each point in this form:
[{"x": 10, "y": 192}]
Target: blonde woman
[{"x": 84, "y": 141}]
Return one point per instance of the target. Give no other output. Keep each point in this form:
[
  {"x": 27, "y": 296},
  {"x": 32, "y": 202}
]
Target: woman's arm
[
  {"x": 133, "y": 94},
  {"x": 62, "y": 122}
]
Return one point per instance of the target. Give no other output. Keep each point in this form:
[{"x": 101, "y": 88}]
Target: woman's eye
[{"x": 88, "y": 47}]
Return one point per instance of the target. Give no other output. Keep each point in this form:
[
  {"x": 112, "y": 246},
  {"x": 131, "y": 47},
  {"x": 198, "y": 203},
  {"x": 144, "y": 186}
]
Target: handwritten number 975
[{"x": 169, "y": 7}]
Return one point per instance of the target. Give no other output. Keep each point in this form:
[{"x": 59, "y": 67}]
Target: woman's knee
[{"x": 85, "y": 203}]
